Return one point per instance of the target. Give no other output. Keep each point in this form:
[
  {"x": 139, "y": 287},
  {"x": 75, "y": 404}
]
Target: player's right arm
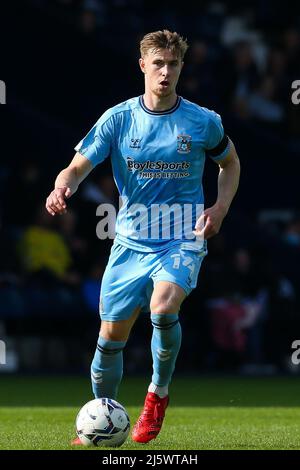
[
  {"x": 91, "y": 150},
  {"x": 66, "y": 184}
]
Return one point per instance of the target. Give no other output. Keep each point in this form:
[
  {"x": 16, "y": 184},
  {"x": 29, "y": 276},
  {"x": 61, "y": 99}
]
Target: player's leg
[
  {"x": 166, "y": 337},
  {"x": 121, "y": 295},
  {"x": 122, "y": 292},
  {"x": 173, "y": 281},
  {"x": 174, "y": 278},
  {"x": 165, "y": 344},
  {"x": 107, "y": 365}
]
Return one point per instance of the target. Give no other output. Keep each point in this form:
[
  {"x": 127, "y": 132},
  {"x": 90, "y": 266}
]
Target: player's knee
[
  {"x": 112, "y": 331},
  {"x": 163, "y": 307}
]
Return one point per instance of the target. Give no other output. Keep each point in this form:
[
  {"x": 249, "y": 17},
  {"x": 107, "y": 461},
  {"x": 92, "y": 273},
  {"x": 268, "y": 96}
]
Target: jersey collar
[{"x": 159, "y": 113}]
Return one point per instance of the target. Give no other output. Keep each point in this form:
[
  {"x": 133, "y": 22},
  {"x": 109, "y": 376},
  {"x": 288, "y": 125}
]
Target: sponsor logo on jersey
[
  {"x": 156, "y": 165},
  {"x": 158, "y": 169}
]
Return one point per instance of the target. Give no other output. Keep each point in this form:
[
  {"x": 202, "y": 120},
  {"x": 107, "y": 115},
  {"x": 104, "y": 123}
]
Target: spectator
[{"x": 42, "y": 247}]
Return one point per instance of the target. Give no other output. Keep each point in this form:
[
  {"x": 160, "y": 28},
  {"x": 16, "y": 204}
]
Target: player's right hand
[{"x": 55, "y": 203}]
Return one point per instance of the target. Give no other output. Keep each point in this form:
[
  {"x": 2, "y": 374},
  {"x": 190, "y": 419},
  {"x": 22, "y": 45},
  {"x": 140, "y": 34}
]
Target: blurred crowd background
[{"x": 64, "y": 63}]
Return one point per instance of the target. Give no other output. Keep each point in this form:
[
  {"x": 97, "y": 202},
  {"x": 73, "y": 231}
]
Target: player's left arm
[{"x": 211, "y": 220}]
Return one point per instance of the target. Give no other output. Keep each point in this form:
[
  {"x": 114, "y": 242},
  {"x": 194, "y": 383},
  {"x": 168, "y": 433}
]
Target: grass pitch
[{"x": 204, "y": 413}]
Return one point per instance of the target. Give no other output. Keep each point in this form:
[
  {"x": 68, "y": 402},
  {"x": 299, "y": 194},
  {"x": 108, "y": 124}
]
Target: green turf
[{"x": 204, "y": 413}]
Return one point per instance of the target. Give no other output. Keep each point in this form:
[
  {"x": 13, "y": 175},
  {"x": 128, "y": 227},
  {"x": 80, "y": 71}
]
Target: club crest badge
[{"x": 184, "y": 143}]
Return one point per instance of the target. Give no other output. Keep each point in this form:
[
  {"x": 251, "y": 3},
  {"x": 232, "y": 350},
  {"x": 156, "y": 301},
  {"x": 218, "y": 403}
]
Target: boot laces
[{"x": 152, "y": 416}]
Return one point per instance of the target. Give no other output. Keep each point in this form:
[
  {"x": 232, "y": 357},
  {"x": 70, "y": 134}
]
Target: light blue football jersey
[{"x": 158, "y": 161}]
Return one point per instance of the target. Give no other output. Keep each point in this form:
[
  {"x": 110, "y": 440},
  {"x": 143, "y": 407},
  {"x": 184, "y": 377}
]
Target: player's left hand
[{"x": 210, "y": 221}]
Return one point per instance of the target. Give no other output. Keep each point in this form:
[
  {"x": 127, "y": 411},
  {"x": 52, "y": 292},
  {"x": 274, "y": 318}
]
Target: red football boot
[
  {"x": 150, "y": 421},
  {"x": 76, "y": 442}
]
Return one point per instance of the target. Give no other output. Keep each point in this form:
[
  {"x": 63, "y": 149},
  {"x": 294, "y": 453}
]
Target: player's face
[{"x": 162, "y": 69}]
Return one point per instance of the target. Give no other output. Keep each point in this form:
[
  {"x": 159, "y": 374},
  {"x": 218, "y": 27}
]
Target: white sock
[{"x": 162, "y": 392}]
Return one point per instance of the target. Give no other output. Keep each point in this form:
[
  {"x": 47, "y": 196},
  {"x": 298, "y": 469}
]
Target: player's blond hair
[{"x": 163, "y": 40}]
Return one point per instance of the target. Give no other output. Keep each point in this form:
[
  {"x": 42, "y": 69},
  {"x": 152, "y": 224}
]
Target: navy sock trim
[
  {"x": 165, "y": 326},
  {"x": 109, "y": 352}
]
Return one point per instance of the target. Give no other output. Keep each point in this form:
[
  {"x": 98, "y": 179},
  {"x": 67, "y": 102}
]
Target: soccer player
[{"x": 157, "y": 143}]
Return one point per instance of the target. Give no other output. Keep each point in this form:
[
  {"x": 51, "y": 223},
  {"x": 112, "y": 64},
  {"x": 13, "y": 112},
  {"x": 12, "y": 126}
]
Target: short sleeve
[
  {"x": 96, "y": 145},
  {"x": 217, "y": 142}
]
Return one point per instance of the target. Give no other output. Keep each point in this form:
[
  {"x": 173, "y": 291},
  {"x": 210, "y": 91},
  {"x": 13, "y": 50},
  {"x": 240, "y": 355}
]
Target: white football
[{"x": 102, "y": 422}]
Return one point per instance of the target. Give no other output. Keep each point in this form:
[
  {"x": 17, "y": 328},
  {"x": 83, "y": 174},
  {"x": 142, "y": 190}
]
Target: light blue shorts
[{"x": 130, "y": 276}]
